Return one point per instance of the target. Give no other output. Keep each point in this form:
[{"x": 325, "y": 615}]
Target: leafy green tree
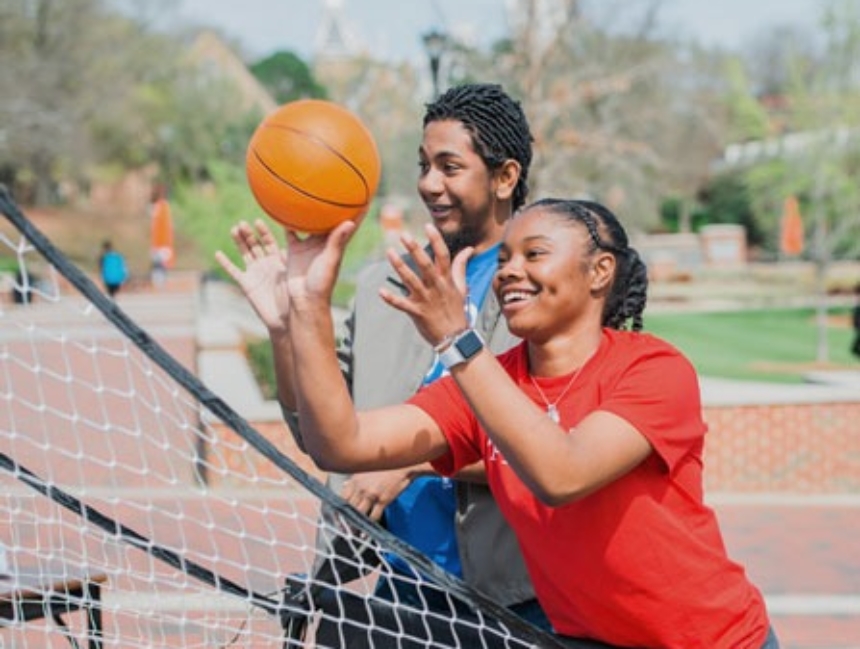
[
  {"x": 287, "y": 77},
  {"x": 748, "y": 119},
  {"x": 90, "y": 92},
  {"x": 726, "y": 199},
  {"x": 65, "y": 64},
  {"x": 676, "y": 215},
  {"x": 816, "y": 158}
]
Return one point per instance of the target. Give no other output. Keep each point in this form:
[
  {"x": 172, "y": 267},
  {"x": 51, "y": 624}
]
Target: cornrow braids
[
  {"x": 629, "y": 292},
  {"x": 497, "y": 124}
]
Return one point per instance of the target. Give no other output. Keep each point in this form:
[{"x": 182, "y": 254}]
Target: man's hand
[{"x": 371, "y": 493}]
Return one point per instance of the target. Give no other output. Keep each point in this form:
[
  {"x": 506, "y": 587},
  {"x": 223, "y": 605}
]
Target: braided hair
[
  {"x": 629, "y": 291},
  {"x": 497, "y": 124}
]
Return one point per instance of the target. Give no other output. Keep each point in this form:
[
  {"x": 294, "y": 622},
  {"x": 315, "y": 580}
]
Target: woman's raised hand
[
  {"x": 263, "y": 277},
  {"x": 434, "y": 292}
]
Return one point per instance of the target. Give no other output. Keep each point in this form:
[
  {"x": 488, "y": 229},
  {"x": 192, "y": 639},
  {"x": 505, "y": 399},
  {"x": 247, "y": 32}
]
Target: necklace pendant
[{"x": 552, "y": 413}]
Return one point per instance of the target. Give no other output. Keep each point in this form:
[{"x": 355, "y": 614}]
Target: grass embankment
[
  {"x": 773, "y": 345},
  {"x": 777, "y": 345}
]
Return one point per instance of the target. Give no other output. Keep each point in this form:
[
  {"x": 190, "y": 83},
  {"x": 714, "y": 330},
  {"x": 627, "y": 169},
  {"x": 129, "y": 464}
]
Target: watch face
[{"x": 469, "y": 344}]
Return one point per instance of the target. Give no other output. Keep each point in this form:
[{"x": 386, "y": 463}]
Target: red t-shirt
[{"x": 640, "y": 562}]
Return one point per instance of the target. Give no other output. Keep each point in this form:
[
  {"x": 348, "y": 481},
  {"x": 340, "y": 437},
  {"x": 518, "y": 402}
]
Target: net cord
[
  {"x": 217, "y": 406},
  {"x": 129, "y": 536}
]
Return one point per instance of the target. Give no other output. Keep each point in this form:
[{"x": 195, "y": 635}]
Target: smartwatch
[{"x": 462, "y": 348}]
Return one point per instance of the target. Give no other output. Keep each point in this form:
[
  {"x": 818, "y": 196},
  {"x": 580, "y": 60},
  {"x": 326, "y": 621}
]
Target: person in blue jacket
[{"x": 113, "y": 269}]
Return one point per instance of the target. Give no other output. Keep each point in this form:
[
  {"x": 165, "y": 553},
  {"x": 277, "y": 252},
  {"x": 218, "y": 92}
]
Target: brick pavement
[{"x": 804, "y": 553}]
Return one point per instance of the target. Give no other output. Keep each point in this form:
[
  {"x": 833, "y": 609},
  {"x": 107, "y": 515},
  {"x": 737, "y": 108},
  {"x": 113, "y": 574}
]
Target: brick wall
[{"x": 809, "y": 448}]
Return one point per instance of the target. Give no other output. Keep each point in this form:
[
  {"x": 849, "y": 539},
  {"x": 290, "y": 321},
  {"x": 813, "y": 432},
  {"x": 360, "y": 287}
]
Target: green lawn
[
  {"x": 776, "y": 345},
  {"x": 763, "y": 345}
]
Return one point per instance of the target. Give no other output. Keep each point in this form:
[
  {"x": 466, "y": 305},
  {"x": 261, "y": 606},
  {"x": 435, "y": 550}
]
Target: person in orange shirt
[{"x": 161, "y": 240}]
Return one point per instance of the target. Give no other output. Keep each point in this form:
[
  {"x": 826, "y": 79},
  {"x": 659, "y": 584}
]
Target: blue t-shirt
[
  {"x": 423, "y": 514},
  {"x": 114, "y": 271}
]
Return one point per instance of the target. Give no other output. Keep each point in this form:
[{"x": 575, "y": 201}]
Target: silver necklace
[{"x": 552, "y": 408}]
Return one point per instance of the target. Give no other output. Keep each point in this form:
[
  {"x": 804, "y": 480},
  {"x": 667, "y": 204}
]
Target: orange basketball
[{"x": 312, "y": 164}]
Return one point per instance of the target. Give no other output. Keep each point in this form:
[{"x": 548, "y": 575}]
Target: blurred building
[
  {"x": 219, "y": 61},
  {"x": 671, "y": 257}
]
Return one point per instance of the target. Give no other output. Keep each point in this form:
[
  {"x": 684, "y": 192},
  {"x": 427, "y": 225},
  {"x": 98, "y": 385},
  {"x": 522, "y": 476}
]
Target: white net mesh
[{"x": 143, "y": 512}]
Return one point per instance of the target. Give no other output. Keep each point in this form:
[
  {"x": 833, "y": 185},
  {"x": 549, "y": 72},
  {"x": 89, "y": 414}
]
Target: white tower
[{"x": 334, "y": 38}]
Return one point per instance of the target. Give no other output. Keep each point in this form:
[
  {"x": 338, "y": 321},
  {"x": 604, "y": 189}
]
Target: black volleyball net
[{"x": 120, "y": 469}]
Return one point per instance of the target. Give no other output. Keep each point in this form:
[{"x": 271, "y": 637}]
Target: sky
[{"x": 392, "y": 28}]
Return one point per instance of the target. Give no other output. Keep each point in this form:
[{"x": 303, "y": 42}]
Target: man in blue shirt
[{"x": 474, "y": 159}]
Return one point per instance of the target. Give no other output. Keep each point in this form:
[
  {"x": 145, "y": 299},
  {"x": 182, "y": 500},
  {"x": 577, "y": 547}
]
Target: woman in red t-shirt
[{"x": 591, "y": 433}]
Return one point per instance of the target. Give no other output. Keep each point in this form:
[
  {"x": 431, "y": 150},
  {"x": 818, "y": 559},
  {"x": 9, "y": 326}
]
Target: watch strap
[{"x": 463, "y": 347}]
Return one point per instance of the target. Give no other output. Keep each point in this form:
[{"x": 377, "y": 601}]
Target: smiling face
[
  {"x": 551, "y": 279},
  {"x": 468, "y": 202}
]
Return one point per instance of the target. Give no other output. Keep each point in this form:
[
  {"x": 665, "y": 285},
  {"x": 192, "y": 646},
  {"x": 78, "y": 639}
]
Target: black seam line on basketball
[
  {"x": 307, "y": 193},
  {"x": 303, "y": 192}
]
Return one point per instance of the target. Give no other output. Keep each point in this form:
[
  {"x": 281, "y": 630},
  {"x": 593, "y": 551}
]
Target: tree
[
  {"x": 778, "y": 55},
  {"x": 66, "y": 66},
  {"x": 89, "y": 93},
  {"x": 818, "y": 161},
  {"x": 748, "y": 119},
  {"x": 726, "y": 199},
  {"x": 619, "y": 114},
  {"x": 287, "y": 77}
]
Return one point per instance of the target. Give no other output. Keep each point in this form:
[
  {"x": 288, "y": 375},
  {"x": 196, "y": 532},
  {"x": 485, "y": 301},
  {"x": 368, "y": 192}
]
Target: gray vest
[{"x": 385, "y": 359}]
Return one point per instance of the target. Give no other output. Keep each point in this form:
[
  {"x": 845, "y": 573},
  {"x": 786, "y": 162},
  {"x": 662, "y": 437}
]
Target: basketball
[{"x": 312, "y": 164}]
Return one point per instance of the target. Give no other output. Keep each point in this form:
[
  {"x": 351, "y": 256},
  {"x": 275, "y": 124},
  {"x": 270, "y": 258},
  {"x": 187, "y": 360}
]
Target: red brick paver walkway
[{"x": 804, "y": 554}]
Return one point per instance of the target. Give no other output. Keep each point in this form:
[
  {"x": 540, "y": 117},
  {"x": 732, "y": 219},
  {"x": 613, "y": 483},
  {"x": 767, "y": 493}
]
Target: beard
[{"x": 464, "y": 237}]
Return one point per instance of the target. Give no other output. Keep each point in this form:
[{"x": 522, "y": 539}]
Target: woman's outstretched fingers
[
  {"x": 266, "y": 237},
  {"x": 419, "y": 256},
  {"x": 227, "y": 264},
  {"x": 411, "y": 283},
  {"x": 458, "y": 268},
  {"x": 440, "y": 249},
  {"x": 248, "y": 241},
  {"x": 237, "y": 237}
]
